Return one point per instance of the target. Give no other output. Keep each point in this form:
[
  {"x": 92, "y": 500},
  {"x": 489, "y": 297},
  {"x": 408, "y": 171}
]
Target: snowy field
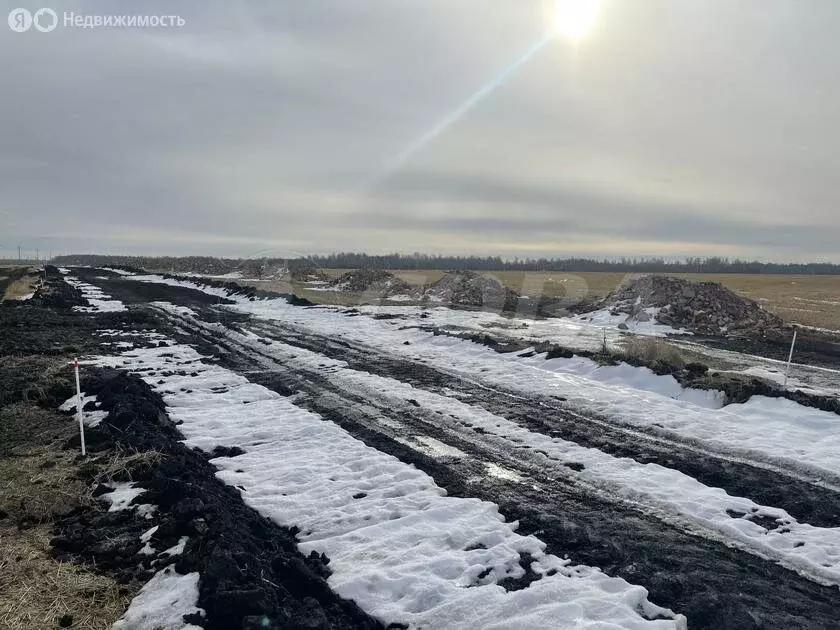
[{"x": 361, "y": 480}]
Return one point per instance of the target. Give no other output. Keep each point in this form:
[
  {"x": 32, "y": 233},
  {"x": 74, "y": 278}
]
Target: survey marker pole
[
  {"x": 790, "y": 357},
  {"x": 79, "y": 405}
]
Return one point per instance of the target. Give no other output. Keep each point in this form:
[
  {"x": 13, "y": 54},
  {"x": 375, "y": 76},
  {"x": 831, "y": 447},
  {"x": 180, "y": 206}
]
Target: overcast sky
[{"x": 284, "y": 127}]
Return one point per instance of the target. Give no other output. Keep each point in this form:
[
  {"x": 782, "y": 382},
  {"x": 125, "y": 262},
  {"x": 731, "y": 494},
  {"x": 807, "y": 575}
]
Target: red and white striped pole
[{"x": 79, "y": 405}]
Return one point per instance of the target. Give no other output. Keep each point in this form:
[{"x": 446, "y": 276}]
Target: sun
[{"x": 574, "y": 18}]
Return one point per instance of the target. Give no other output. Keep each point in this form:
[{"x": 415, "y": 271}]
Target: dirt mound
[
  {"x": 467, "y": 288},
  {"x": 378, "y": 281},
  {"x": 701, "y": 307}
]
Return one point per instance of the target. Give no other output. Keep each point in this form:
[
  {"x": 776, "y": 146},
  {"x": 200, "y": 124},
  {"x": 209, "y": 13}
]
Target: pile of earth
[
  {"x": 383, "y": 283},
  {"x": 700, "y": 307},
  {"x": 467, "y": 288}
]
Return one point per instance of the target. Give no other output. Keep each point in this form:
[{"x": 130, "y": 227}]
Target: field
[
  {"x": 807, "y": 300},
  {"x": 259, "y": 463}
]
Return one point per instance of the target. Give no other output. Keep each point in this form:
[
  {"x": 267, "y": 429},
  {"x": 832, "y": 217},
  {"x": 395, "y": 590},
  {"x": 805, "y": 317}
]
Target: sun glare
[{"x": 574, "y": 18}]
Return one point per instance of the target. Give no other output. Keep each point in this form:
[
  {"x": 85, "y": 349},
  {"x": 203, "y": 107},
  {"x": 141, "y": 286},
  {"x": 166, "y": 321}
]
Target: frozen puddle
[{"x": 398, "y": 546}]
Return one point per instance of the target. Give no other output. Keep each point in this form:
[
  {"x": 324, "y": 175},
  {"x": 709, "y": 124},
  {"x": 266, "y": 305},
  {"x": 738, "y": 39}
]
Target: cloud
[{"x": 702, "y": 126}]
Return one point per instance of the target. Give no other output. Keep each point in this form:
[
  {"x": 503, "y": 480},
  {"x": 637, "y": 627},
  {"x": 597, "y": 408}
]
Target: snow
[
  {"x": 162, "y": 603},
  {"x": 772, "y": 434},
  {"x": 603, "y": 318},
  {"x": 500, "y": 472},
  {"x": 777, "y": 375},
  {"x": 70, "y": 403},
  {"x": 99, "y": 301},
  {"x": 812, "y": 551},
  {"x": 121, "y": 495},
  {"x": 146, "y": 510},
  {"x": 218, "y": 292},
  {"x": 90, "y": 418},
  {"x": 177, "y": 549},
  {"x": 623, "y": 374},
  {"x": 432, "y": 447},
  {"x": 146, "y": 538},
  {"x": 119, "y": 272},
  {"x": 403, "y": 550}
]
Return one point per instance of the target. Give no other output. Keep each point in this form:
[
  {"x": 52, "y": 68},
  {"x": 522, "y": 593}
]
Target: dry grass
[
  {"x": 36, "y": 590},
  {"x": 807, "y": 300},
  {"x": 39, "y": 483},
  {"x": 21, "y": 282},
  {"x": 653, "y": 351},
  {"x": 34, "y": 379},
  {"x": 124, "y": 466}
]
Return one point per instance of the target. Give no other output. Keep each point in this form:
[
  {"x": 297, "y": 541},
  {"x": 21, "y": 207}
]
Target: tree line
[{"x": 349, "y": 260}]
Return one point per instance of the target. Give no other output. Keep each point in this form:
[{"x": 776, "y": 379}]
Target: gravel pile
[
  {"x": 467, "y": 288},
  {"x": 701, "y": 307}
]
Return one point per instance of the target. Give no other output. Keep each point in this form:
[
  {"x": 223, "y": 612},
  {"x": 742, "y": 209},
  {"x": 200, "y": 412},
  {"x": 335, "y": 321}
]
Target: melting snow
[
  {"x": 121, "y": 495},
  {"x": 162, "y": 603},
  {"x": 397, "y": 545}
]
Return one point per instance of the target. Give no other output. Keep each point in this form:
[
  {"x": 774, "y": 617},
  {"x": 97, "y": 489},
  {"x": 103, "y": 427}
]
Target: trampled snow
[
  {"x": 397, "y": 545},
  {"x": 162, "y": 603}
]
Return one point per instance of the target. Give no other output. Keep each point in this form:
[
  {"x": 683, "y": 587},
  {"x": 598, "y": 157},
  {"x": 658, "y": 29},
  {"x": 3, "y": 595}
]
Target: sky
[{"x": 285, "y": 127}]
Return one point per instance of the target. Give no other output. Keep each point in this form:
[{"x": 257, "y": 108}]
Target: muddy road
[{"x": 692, "y": 570}]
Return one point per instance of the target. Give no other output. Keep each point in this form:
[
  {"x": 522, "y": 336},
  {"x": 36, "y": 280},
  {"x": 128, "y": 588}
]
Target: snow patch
[
  {"x": 162, "y": 603},
  {"x": 121, "y": 495}
]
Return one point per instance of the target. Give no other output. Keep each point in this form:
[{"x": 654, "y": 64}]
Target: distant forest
[{"x": 211, "y": 265}]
